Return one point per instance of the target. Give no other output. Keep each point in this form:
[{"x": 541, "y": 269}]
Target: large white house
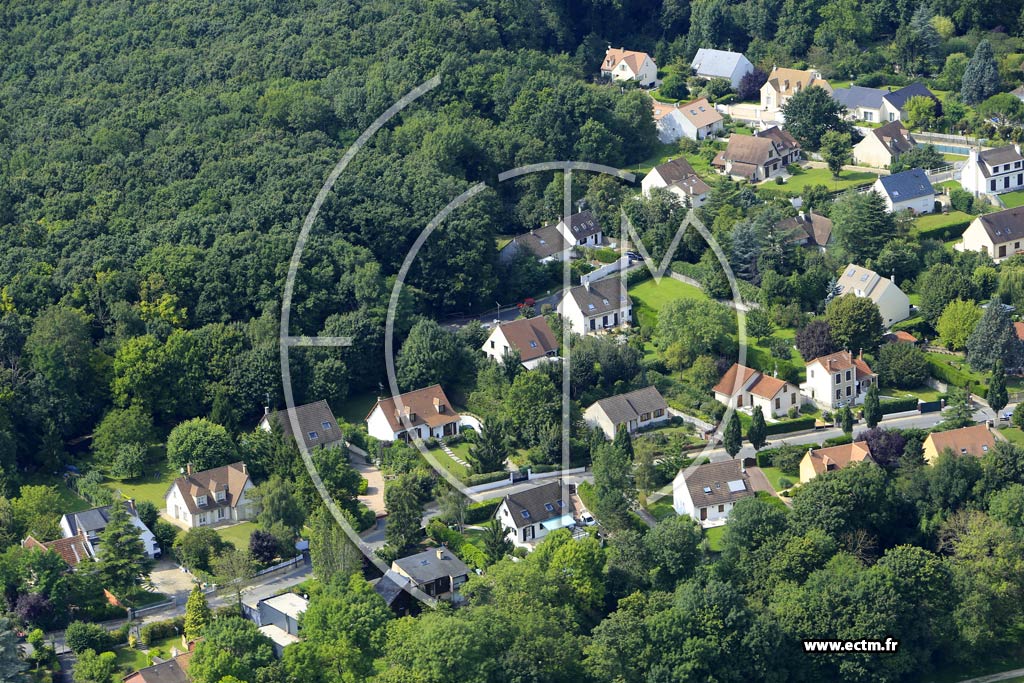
[
  {"x": 743, "y": 387},
  {"x": 528, "y": 516},
  {"x": 892, "y": 303},
  {"x": 421, "y": 414},
  {"x": 621, "y": 64},
  {"x": 907, "y": 191},
  {"x": 732, "y": 66},
  {"x": 211, "y": 497},
  {"x": 695, "y": 120},
  {"x": 709, "y": 492},
  {"x": 89, "y": 524},
  {"x": 993, "y": 171},
  {"x": 838, "y": 379},
  {"x": 999, "y": 234},
  {"x": 679, "y": 178},
  {"x": 557, "y": 241},
  {"x": 636, "y": 410},
  {"x": 531, "y": 339},
  {"x": 597, "y": 306}
]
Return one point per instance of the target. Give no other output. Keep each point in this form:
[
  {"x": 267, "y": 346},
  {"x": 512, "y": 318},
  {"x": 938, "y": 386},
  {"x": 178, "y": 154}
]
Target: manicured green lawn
[
  {"x": 806, "y": 177},
  {"x": 774, "y": 474},
  {"x": 664, "y": 153},
  {"x": 655, "y": 295},
  {"x": 237, "y": 534},
  {"x": 714, "y": 536},
  {"x": 977, "y": 379},
  {"x": 1013, "y": 435},
  {"x": 949, "y": 156},
  {"x": 1013, "y": 199},
  {"x": 455, "y": 468},
  {"x": 952, "y": 184},
  {"x": 662, "y": 508},
  {"x": 924, "y": 393},
  {"x": 936, "y": 220},
  {"x": 67, "y": 500},
  {"x": 355, "y": 409},
  {"x": 130, "y": 659},
  {"x": 152, "y": 487}
]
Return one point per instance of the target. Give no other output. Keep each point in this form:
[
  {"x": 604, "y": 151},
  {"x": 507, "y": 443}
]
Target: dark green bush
[
  {"x": 160, "y": 630},
  {"x": 478, "y": 513}
]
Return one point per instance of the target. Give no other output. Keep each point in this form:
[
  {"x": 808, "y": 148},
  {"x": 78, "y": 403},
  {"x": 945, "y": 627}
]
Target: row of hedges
[
  {"x": 899, "y": 405},
  {"x": 485, "y": 478},
  {"x": 637, "y": 276},
  {"x": 478, "y": 513},
  {"x": 81, "y": 636},
  {"x": 943, "y": 233},
  {"x": 797, "y": 425},
  {"x": 786, "y": 458},
  {"x": 952, "y": 376},
  {"x": 161, "y": 630}
]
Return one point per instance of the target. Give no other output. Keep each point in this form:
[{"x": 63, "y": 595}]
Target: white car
[{"x": 588, "y": 519}]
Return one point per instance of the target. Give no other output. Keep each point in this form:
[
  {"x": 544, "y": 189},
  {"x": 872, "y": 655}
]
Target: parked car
[
  {"x": 588, "y": 519},
  {"x": 1007, "y": 416}
]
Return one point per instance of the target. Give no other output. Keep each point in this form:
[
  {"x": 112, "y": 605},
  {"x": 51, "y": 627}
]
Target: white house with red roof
[
  {"x": 621, "y": 64},
  {"x": 838, "y": 379},
  {"x": 743, "y": 388},
  {"x": 421, "y": 414},
  {"x": 531, "y": 339},
  {"x": 211, "y": 497}
]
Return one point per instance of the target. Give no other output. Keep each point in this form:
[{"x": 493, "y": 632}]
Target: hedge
[
  {"x": 587, "y": 494},
  {"x": 637, "y": 276},
  {"x": 943, "y": 233},
  {"x": 161, "y": 630},
  {"x": 799, "y": 424},
  {"x": 840, "y": 440},
  {"x": 951, "y": 375},
  {"x": 899, "y": 405},
  {"x": 786, "y": 458},
  {"x": 483, "y": 511},
  {"x": 485, "y": 478}
]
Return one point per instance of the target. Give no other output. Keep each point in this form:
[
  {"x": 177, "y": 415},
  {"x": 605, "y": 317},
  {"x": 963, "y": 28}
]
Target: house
[
  {"x": 732, "y": 66},
  {"x": 73, "y": 550},
  {"x": 596, "y": 306},
  {"x": 999, "y": 234},
  {"x": 862, "y": 104},
  {"x": 808, "y": 229},
  {"x": 975, "y": 440},
  {"x": 557, "y": 242},
  {"x": 743, "y": 387},
  {"x": 636, "y": 410},
  {"x": 783, "y": 84},
  {"x": 749, "y": 157},
  {"x": 421, "y": 414},
  {"x": 531, "y": 339},
  {"x": 210, "y": 497},
  {"x": 392, "y": 589},
  {"x": 785, "y": 143},
  {"x": 668, "y": 121},
  {"x": 679, "y": 178},
  {"x": 892, "y": 303},
  {"x": 174, "y": 670},
  {"x": 621, "y": 64},
  {"x": 528, "y": 516},
  {"x": 894, "y": 103},
  {"x": 882, "y": 146},
  {"x": 700, "y": 119},
  {"x": 993, "y": 171},
  {"x": 278, "y": 619},
  {"x": 708, "y": 492},
  {"x": 910, "y": 190},
  {"x": 820, "y": 460},
  {"x": 317, "y": 424},
  {"x": 91, "y": 524},
  {"x": 438, "y": 572},
  {"x": 838, "y": 379}
]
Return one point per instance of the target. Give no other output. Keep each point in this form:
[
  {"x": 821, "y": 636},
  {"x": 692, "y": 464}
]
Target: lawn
[
  {"x": 774, "y": 474},
  {"x": 649, "y": 297},
  {"x": 1013, "y": 434},
  {"x": 806, "y": 177},
  {"x": 131, "y": 660},
  {"x": 714, "y": 536},
  {"x": 664, "y": 152},
  {"x": 237, "y": 534},
  {"x": 662, "y": 508},
  {"x": 949, "y": 156},
  {"x": 952, "y": 184},
  {"x": 937, "y": 220},
  {"x": 152, "y": 487},
  {"x": 1013, "y": 199},
  {"x": 925, "y": 393},
  {"x": 67, "y": 500},
  {"x": 455, "y": 468},
  {"x": 355, "y": 409}
]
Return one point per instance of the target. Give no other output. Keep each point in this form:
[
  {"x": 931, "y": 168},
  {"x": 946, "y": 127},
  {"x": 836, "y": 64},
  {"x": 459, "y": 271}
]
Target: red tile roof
[{"x": 727, "y": 385}]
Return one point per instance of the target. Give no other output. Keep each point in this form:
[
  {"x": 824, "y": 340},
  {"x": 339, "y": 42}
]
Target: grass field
[
  {"x": 151, "y": 487},
  {"x": 952, "y": 184},
  {"x": 461, "y": 450},
  {"x": 662, "y": 508},
  {"x": 1013, "y": 199},
  {"x": 923, "y": 393},
  {"x": 650, "y": 297},
  {"x": 1013, "y": 435},
  {"x": 936, "y": 220},
  {"x": 806, "y": 177},
  {"x": 354, "y": 410},
  {"x": 774, "y": 474},
  {"x": 237, "y": 534},
  {"x": 131, "y": 660},
  {"x": 714, "y": 536}
]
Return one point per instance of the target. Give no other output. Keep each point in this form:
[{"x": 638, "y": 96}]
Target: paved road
[{"x": 993, "y": 678}]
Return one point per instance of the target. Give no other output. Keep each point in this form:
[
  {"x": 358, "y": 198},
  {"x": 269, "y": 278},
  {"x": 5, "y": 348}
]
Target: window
[
  {"x": 992, "y": 184},
  {"x": 313, "y": 436},
  {"x": 721, "y": 508},
  {"x": 525, "y": 514},
  {"x": 645, "y": 416},
  {"x": 847, "y": 375},
  {"x": 812, "y": 374},
  {"x": 549, "y": 507},
  {"x": 778, "y": 403},
  {"x": 220, "y": 495},
  {"x": 220, "y": 513},
  {"x": 659, "y": 412},
  {"x": 561, "y": 503},
  {"x": 200, "y": 500},
  {"x": 533, "y": 344},
  {"x": 792, "y": 399},
  {"x": 839, "y": 378},
  {"x": 492, "y": 343},
  {"x": 326, "y": 426},
  {"x": 868, "y": 116},
  {"x": 839, "y": 394},
  {"x": 849, "y": 390}
]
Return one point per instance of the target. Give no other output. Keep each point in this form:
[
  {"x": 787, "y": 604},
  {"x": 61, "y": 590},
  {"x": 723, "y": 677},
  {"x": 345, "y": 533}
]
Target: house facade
[
  {"x": 749, "y": 157},
  {"x": 636, "y": 410},
  {"x": 976, "y": 441},
  {"x": 91, "y": 523},
  {"x": 999, "y": 234},
  {"x": 893, "y": 304},
  {"x": 316, "y": 422},
  {"x": 862, "y": 104},
  {"x": 821, "y": 460},
  {"x": 438, "y": 572},
  {"x": 211, "y": 497},
  {"x": 993, "y": 171},
  {"x": 557, "y": 241},
  {"x": 894, "y": 102},
  {"x": 708, "y": 492},
  {"x": 732, "y": 66},
  {"x": 786, "y": 145},
  {"x": 278, "y": 618},
  {"x": 882, "y": 146},
  {"x": 783, "y": 84},
  {"x": 838, "y": 379},
  {"x": 746, "y": 388},
  {"x": 678, "y": 177},
  {"x": 595, "y": 307},
  {"x": 530, "y": 338},
  {"x": 421, "y": 414},
  {"x": 621, "y": 64},
  {"x": 700, "y": 119},
  {"x": 528, "y": 516},
  {"x": 907, "y": 191}
]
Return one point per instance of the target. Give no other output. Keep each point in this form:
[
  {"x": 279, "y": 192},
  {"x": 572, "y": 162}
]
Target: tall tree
[
  {"x": 845, "y": 418},
  {"x": 12, "y": 666},
  {"x": 405, "y": 514},
  {"x": 490, "y": 450},
  {"x": 862, "y": 224},
  {"x": 496, "y": 542},
  {"x": 233, "y": 570},
  {"x": 956, "y": 323},
  {"x": 231, "y": 646},
  {"x": 200, "y": 443},
  {"x": 732, "y": 437},
  {"x": 994, "y": 339},
  {"x": 872, "y": 407},
  {"x": 855, "y": 323},
  {"x": 123, "y": 562},
  {"x": 197, "y": 613},
  {"x": 938, "y": 286},
  {"x": 746, "y": 248},
  {"x": 811, "y": 113},
  {"x": 981, "y": 77},
  {"x": 331, "y": 551},
  {"x": 429, "y": 355},
  {"x": 997, "y": 397},
  {"x": 91, "y": 667},
  {"x": 836, "y": 150},
  {"x": 757, "y": 434},
  {"x": 613, "y": 483},
  {"x": 958, "y": 410},
  {"x": 278, "y": 503},
  {"x": 814, "y": 340}
]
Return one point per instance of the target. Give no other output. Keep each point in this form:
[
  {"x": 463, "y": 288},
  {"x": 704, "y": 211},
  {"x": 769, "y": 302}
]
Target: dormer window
[
  {"x": 200, "y": 500},
  {"x": 220, "y": 496}
]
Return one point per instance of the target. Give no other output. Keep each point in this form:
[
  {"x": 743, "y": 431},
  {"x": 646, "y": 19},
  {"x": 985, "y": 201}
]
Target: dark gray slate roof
[
  {"x": 1000, "y": 155},
  {"x": 95, "y": 520},
  {"x": 907, "y": 185},
  {"x": 313, "y": 418},
  {"x": 859, "y": 96},
  {"x": 427, "y": 567},
  {"x": 583, "y": 224},
  {"x": 535, "y": 502},
  {"x": 543, "y": 242},
  {"x": 390, "y": 586},
  {"x": 710, "y": 484},
  {"x": 1003, "y": 226},
  {"x": 674, "y": 170},
  {"x": 601, "y": 296},
  {"x": 898, "y": 98},
  {"x": 625, "y": 407}
]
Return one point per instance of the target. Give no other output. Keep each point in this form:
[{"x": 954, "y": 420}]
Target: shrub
[
  {"x": 473, "y": 556},
  {"x": 485, "y": 478},
  {"x": 799, "y": 424},
  {"x": 899, "y": 405},
  {"x": 477, "y": 513},
  {"x": 786, "y": 458},
  {"x": 837, "y": 440},
  {"x": 160, "y": 630},
  {"x": 785, "y": 483},
  {"x": 364, "y": 485},
  {"x": 82, "y": 636},
  {"x": 961, "y": 200}
]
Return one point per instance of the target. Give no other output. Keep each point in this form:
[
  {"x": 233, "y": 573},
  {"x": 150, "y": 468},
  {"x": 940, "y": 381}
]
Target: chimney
[
  {"x": 586, "y": 285},
  {"x": 266, "y": 411},
  {"x": 438, "y": 406},
  {"x": 440, "y": 553},
  {"x": 245, "y": 469},
  {"x": 802, "y": 216},
  {"x": 188, "y": 469}
]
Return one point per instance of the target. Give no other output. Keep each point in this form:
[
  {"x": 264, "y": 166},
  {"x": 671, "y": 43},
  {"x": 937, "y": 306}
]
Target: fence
[{"x": 284, "y": 565}]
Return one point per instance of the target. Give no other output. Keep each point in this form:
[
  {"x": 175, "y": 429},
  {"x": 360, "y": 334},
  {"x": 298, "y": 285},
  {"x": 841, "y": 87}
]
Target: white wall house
[
  {"x": 621, "y": 64},
  {"x": 700, "y": 119},
  {"x": 91, "y": 523},
  {"x": 774, "y": 396},
  {"x": 999, "y": 234},
  {"x": 893, "y": 304},
  {"x": 530, "y": 338},
  {"x": 528, "y": 516},
  {"x": 679, "y": 178},
  {"x": 638, "y": 409},
  {"x": 421, "y": 414},
  {"x": 597, "y": 306},
  {"x": 709, "y": 492},
  {"x": 211, "y": 497},
  {"x": 910, "y": 190},
  {"x": 557, "y": 241},
  {"x": 783, "y": 84},
  {"x": 993, "y": 171},
  {"x": 732, "y": 66},
  {"x": 862, "y": 104},
  {"x": 836, "y": 380}
]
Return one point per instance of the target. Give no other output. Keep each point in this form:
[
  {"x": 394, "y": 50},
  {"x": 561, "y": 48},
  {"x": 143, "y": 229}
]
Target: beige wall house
[
  {"x": 838, "y": 379},
  {"x": 999, "y": 234},
  {"x": 775, "y": 396},
  {"x": 621, "y": 64},
  {"x": 821, "y": 460},
  {"x": 976, "y": 440},
  {"x": 892, "y": 303},
  {"x": 531, "y": 339},
  {"x": 211, "y": 497},
  {"x": 882, "y": 146},
  {"x": 784, "y": 83},
  {"x": 636, "y": 410}
]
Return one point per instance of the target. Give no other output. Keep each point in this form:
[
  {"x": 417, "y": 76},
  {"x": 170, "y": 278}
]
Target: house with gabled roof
[
  {"x": 528, "y": 516},
  {"x": 907, "y": 191},
  {"x": 745, "y": 388},
  {"x": 999, "y": 234},
  {"x": 838, "y": 379},
  {"x": 438, "y": 572},
  {"x": 695, "y": 120},
  {"x": 993, "y": 171},
  {"x": 421, "y": 414},
  {"x": 317, "y": 424},
  {"x": 882, "y": 146},
  {"x": 621, "y": 64},
  {"x": 635, "y": 410},
  {"x": 708, "y": 492},
  {"x": 211, "y": 497},
  {"x": 557, "y": 241},
  {"x": 785, "y": 143},
  {"x": 976, "y": 441},
  {"x": 783, "y": 83},
  {"x": 73, "y": 550},
  {"x": 597, "y": 306},
  {"x": 678, "y": 177},
  {"x": 173, "y": 670},
  {"x": 808, "y": 229},
  {"x": 749, "y": 157},
  {"x": 862, "y": 104},
  {"x": 821, "y": 460},
  {"x": 92, "y": 522},
  {"x": 732, "y": 66},
  {"x": 893, "y": 304},
  {"x": 894, "y": 103},
  {"x": 531, "y": 339}
]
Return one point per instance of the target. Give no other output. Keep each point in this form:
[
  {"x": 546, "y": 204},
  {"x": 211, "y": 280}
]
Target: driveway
[
  {"x": 374, "y": 497},
  {"x": 168, "y": 579},
  {"x": 759, "y": 482}
]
